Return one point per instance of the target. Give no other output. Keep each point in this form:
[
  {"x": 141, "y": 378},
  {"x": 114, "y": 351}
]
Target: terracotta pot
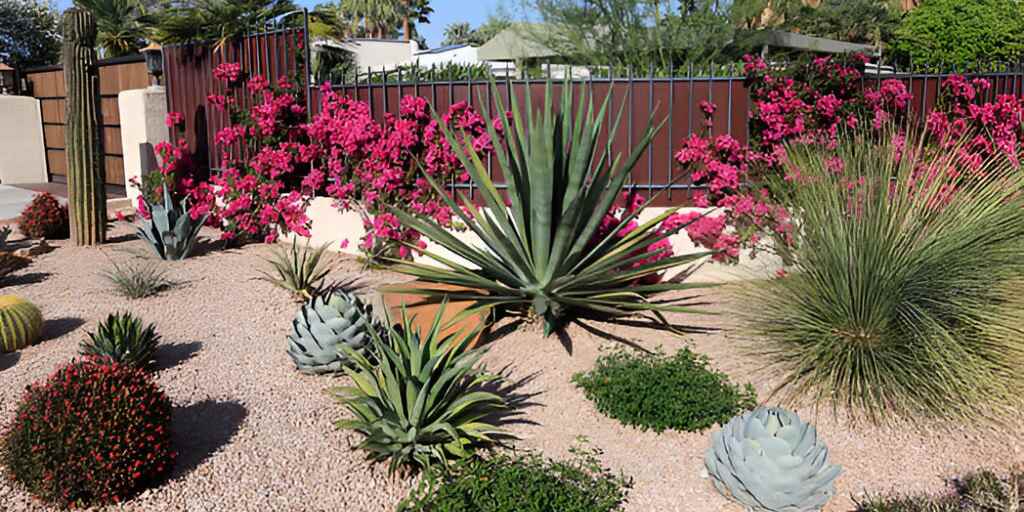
[{"x": 422, "y": 309}]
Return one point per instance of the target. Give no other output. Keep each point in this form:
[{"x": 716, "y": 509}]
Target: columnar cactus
[{"x": 86, "y": 198}]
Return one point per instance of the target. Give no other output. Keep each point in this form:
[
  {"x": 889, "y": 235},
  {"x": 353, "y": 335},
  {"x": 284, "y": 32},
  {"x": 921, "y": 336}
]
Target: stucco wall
[
  {"x": 335, "y": 228},
  {"x": 142, "y": 121},
  {"x": 465, "y": 55},
  {"x": 380, "y": 53},
  {"x": 22, "y": 152}
]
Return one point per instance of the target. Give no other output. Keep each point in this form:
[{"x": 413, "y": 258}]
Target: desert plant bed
[{"x": 253, "y": 433}]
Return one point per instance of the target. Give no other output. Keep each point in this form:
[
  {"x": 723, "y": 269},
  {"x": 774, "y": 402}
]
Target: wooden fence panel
[{"x": 115, "y": 75}]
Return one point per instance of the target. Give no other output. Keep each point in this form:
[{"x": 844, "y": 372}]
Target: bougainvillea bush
[
  {"x": 95, "y": 432},
  {"x": 372, "y": 166},
  {"x": 814, "y": 102},
  {"x": 44, "y": 217}
]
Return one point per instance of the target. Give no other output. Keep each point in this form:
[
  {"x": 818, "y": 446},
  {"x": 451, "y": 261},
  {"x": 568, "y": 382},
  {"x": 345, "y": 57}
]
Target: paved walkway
[{"x": 13, "y": 200}]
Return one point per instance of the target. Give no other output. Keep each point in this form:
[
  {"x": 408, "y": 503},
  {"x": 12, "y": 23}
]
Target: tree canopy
[
  {"x": 29, "y": 33},
  {"x": 955, "y": 32}
]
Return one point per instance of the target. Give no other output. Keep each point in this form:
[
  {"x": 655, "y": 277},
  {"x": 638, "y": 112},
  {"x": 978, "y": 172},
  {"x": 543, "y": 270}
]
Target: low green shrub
[
  {"x": 659, "y": 392},
  {"x": 521, "y": 483},
  {"x": 95, "y": 432},
  {"x": 983, "y": 491}
]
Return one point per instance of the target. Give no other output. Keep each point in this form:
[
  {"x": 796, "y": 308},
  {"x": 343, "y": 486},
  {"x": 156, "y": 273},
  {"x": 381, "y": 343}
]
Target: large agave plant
[
  {"x": 770, "y": 461},
  {"x": 123, "y": 338},
  {"x": 542, "y": 255},
  {"x": 328, "y": 321},
  {"x": 424, "y": 400},
  {"x": 170, "y": 230}
]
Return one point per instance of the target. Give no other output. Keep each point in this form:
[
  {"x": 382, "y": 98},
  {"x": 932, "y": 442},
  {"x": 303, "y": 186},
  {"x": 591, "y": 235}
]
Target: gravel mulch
[{"x": 253, "y": 434}]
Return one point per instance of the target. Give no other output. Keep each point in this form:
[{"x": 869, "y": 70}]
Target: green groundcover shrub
[
  {"x": 521, "y": 483},
  {"x": 984, "y": 491},
  {"x": 659, "y": 392}
]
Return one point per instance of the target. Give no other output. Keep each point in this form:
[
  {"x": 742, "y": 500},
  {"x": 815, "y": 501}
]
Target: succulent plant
[
  {"x": 170, "y": 230},
  {"x": 123, "y": 338},
  {"x": 5, "y": 232},
  {"x": 21, "y": 323},
  {"x": 328, "y": 320},
  {"x": 10, "y": 262},
  {"x": 769, "y": 460},
  {"x": 298, "y": 270}
]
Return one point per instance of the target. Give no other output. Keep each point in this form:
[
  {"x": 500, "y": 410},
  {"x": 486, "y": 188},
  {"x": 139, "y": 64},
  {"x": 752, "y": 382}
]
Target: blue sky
[{"x": 445, "y": 11}]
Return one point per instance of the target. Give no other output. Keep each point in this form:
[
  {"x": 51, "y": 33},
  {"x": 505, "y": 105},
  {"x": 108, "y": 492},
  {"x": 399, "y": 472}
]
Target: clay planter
[{"x": 422, "y": 310}]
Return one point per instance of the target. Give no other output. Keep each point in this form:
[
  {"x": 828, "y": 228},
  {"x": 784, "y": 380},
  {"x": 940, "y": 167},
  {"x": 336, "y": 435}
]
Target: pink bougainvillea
[
  {"x": 371, "y": 167},
  {"x": 811, "y": 103}
]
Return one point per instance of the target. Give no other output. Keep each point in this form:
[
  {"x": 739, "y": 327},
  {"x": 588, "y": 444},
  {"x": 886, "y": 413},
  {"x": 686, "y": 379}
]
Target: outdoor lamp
[
  {"x": 154, "y": 60},
  {"x": 7, "y": 84}
]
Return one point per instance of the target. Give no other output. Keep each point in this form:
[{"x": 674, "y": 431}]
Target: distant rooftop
[{"x": 442, "y": 49}]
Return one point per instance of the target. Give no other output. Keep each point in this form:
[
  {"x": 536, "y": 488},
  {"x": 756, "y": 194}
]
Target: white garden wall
[{"x": 22, "y": 152}]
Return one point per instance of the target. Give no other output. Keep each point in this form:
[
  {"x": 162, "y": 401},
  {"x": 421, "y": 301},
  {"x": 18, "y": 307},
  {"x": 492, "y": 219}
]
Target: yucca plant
[
  {"x": 542, "y": 255},
  {"x": 123, "y": 338},
  {"x": 901, "y": 303},
  {"x": 298, "y": 269},
  {"x": 423, "y": 401}
]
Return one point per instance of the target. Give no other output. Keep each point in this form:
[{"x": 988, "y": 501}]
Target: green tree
[
  {"x": 121, "y": 25},
  {"x": 962, "y": 33},
  {"x": 856, "y": 21},
  {"x": 489, "y": 29},
  {"x": 183, "y": 21},
  {"x": 457, "y": 33},
  {"x": 635, "y": 33},
  {"x": 29, "y": 33}
]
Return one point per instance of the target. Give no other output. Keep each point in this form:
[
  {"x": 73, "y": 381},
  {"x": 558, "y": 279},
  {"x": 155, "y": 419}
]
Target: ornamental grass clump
[
  {"x": 547, "y": 254},
  {"x": 96, "y": 432},
  {"x": 659, "y": 392},
  {"x": 901, "y": 303}
]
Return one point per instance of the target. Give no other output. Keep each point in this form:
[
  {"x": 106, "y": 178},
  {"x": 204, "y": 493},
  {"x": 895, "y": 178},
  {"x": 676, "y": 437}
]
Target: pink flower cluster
[
  {"x": 261, "y": 193},
  {"x": 176, "y": 170},
  {"x": 630, "y": 203},
  {"x": 810, "y": 103},
  {"x": 371, "y": 167}
]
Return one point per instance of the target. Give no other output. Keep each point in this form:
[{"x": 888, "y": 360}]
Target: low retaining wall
[{"x": 335, "y": 228}]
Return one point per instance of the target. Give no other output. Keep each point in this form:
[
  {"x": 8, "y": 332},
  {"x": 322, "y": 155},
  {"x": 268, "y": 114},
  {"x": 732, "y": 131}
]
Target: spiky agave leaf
[
  {"x": 170, "y": 230},
  {"x": 423, "y": 401},
  {"x": 298, "y": 269},
  {"x": 540, "y": 255},
  {"x": 123, "y": 338}
]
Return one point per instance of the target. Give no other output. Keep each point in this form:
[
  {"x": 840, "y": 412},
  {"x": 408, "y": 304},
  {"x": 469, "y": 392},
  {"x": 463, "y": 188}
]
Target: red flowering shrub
[
  {"x": 373, "y": 166},
  {"x": 810, "y": 103},
  {"x": 95, "y": 432},
  {"x": 44, "y": 217}
]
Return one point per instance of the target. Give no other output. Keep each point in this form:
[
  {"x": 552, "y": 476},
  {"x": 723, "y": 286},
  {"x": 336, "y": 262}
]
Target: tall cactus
[{"x": 86, "y": 197}]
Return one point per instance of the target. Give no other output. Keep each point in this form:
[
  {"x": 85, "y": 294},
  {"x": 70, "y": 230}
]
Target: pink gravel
[{"x": 254, "y": 434}]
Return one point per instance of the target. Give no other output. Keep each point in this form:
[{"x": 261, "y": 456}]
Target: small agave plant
[
  {"x": 329, "y": 320},
  {"x": 770, "y": 461},
  {"x": 170, "y": 230}
]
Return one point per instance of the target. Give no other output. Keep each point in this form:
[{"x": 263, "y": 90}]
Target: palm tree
[
  {"x": 184, "y": 21},
  {"x": 413, "y": 12},
  {"x": 378, "y": 18},
  {"x": 457, "y": 33},
  {"x": 120, "y": 25}
]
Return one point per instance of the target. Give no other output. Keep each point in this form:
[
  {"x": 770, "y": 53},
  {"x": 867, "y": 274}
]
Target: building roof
[
  {"x": 513, "y": 43},
  {"x": 442, "y": 49},
  {"x": 793, "y": 40}
]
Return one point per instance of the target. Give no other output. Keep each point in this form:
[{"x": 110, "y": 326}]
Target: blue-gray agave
[
  {"x": 769, "y": 460},
  {"x": 170, "y": 230},
  {"x": 326, "y": 321}
]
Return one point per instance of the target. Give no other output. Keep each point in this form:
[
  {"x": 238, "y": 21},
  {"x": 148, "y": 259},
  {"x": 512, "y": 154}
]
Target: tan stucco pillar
[
  {"x": 22, "y": 152},
  {"x": 143, "y": 112}
]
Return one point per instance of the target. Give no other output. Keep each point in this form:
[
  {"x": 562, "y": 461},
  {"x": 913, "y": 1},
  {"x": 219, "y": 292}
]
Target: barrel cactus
[
  {"x": 329, "y": 319},
  {"x": 21, "y": 323},
  {"x": 86, "y": 196},
  {"x": 770, "y": 461}
]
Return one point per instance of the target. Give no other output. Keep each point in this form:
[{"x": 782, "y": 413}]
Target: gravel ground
[{"x": 253, "y": 434}]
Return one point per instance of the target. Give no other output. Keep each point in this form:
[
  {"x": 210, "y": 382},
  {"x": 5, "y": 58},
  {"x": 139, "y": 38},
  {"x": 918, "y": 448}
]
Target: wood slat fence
[{"x": 115, "y": 75}]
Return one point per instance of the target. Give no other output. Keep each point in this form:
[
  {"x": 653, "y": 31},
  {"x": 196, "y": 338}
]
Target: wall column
[{"x": 143, "y": 113}]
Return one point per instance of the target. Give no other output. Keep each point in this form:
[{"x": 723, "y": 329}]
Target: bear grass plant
[
  {"x": 982, "y": 491},
  {"x": 521, "y": 483},
  {"x": 659, "y": 392},
  {"x": 96, "y": 432},
  {"x": 903, "y": 301}
]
